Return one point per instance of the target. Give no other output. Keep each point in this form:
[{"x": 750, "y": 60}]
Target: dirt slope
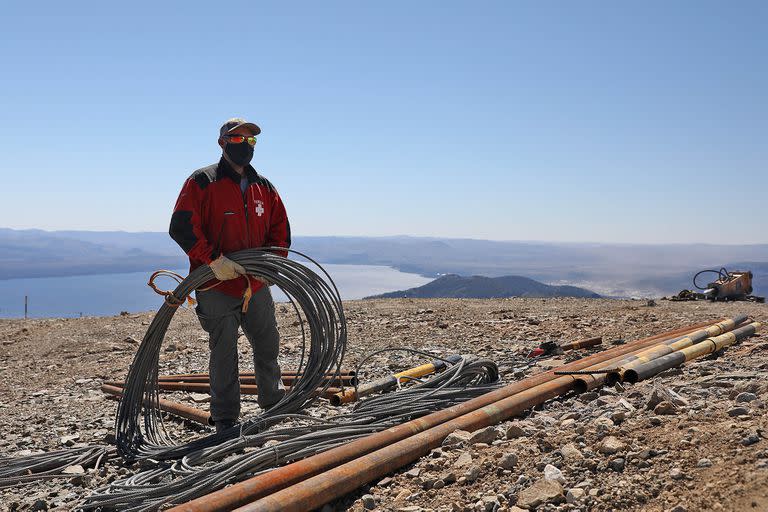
[{"x": 705, "y": 452}]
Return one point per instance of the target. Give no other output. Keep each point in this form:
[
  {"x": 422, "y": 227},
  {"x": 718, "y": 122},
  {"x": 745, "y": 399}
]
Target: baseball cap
[{"x": 237, "y": 122}]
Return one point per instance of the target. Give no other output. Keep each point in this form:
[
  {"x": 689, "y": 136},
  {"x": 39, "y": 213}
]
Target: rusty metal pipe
[
  {"x": 670, "y": 346},
  {"x": 177, "y": 376},
  {"x": 204, "y": 387},
  {"x": 589, "y": 381},
  {"x": 280, "y": 478},
  {"x": 288, "y": 380},
  {"x": 585, "y": 343},
  {"x": 175, "y": 408},
  {"x": 678, "y": 357},
  {"x": 336, "y": 482}
]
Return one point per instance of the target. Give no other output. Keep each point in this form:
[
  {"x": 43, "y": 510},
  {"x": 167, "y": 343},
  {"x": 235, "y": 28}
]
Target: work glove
[{"x": 225, "y": 269}]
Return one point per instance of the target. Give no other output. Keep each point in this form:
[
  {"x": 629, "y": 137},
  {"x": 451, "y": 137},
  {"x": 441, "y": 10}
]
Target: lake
[{"x": 109, "y": 294}]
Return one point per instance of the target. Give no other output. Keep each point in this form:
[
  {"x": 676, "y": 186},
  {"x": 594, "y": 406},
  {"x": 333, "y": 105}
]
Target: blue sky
[{"x": 563, "y": 121}]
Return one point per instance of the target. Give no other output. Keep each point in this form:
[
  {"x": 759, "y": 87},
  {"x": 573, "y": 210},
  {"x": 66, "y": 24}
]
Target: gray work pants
[{"x": 220, "y": 316}]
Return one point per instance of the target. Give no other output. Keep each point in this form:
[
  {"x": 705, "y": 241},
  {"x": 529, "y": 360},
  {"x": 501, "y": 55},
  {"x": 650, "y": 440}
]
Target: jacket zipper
[{"x": 247, "y": 226}]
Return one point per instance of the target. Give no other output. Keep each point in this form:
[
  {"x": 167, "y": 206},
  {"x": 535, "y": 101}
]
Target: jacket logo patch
[{"x": 259, "y": 208}]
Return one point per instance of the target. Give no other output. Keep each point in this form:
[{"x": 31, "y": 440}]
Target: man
[{"x": 223, "y": 208}]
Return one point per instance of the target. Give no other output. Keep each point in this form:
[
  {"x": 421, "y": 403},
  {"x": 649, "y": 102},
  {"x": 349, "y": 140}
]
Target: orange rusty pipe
[
  {"x": 588, "y": 382},
  {"x": 344, "y": 380},
  {"x": 204, "y": 387},
  {"x": 271, "y": 481},
  {"x": 336, "y": 482},
  {"x": 175, "y": 408},
  {"x": 285, "y": 373},
  {"x": 585, "y": 343}
]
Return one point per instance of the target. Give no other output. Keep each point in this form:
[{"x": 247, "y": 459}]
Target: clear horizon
[{"x": 573, "y": 123}]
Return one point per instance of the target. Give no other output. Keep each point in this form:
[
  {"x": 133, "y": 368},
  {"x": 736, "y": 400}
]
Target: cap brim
[{"x": 254, "y": 128}]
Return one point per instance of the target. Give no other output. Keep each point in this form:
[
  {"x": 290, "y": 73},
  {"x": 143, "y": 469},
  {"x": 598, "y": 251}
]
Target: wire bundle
[
  {"x": 211, "y": 468},
  {"x": 316, "y": 297},
  {"x": 50, "y": 465}
]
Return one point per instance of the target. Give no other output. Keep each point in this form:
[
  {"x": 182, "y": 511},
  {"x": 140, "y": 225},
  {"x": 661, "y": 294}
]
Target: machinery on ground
[{"x": 736, "y": 285}]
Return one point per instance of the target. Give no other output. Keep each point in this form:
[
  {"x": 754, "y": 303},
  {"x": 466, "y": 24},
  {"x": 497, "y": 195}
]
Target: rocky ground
[{"x": 689, "y": 439}]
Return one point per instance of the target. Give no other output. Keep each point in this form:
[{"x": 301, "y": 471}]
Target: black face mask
[{"x": 239, "y": 154}]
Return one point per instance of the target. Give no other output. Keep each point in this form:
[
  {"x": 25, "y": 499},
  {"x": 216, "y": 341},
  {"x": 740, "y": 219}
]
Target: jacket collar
[{"x": 224, "y": 169}]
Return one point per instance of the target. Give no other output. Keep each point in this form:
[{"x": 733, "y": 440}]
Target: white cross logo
[{"x": 259, "y": 208}]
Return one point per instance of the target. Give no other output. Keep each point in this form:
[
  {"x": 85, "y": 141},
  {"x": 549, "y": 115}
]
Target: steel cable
[
  {"x": 209, "y": 469},
  {"x": 310, "y": 294}
]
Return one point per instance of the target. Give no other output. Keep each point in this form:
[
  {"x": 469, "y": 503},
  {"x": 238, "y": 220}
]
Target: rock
[
  {"x": 200, "y": 398},
  {"x": 514, "y": 431},
  {"x": 617, "y": 464},
  {"x": 508, "y": 461},
  {"x": 611, "y": 445},
  {"x": 678, "y": 508},
  {"x": 571, "y": 453},
  {"x": 552, "y": 473},
  {"x": 618, "y": 416},
  {"x": 676, "y": 474},
  {"x": 438, "y": 484},
  {"x": 413, "y": 473},
  {"x": 369, "y": 503},
  {"x": 490, "y": 503},
  {"x": 543, "y": 491},
  {"x": 665, "y": 408},
  {"x": 384, "y": 482},
  {"x": 131, "y": 340},
  {"x": 402, "y": 495},
  {"x": 472, "y": 474},
  {"x": 750, "y": 440},
  {"x": 659, "y": 395},
  {"x": 738, "y": 411},
  {"x": 465, "y": 459},
  {"x": 77, "y": 469},
  {"x": 603, "y": 424},
  {"x": 171, "y": 347},
  {"x": 574, "y": 495},
  {"x": 456, "y": 437},
  {"x": 486, "y": 435},
  {"x": 745, "y": 397},
  {"x": 40, "y": 504},
  {"x": 704, "y": 463},
  {"x": 69, "y": 440}
]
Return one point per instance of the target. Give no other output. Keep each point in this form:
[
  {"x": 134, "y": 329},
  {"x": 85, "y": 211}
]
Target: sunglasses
[{"x": 239, "y": 139}]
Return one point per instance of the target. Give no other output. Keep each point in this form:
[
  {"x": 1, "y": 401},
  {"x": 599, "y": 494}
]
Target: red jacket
[{"x": 213, "y": 216}]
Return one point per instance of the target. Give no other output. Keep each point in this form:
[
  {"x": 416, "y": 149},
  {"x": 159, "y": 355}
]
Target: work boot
[
  {"x": 223, "y": 425},
  {"x": 280, "y": 393}
]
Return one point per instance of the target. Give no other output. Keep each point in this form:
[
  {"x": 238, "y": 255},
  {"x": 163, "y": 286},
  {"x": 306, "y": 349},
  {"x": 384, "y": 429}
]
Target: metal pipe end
[
  {"x": 580, "y": 386},
  {"x": 612, "y": 378},
  {"x": 631, "y": 376},
  {"x": 336, "y": 399}
]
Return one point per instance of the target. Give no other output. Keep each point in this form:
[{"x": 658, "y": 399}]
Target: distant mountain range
[
  {"x": 480, "y": 287},
  {"x": 620, "y": 270}
]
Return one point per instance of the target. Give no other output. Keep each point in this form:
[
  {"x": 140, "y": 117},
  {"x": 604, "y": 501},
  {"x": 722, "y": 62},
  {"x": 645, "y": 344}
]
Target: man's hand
[{"x": 225, "y": 269}]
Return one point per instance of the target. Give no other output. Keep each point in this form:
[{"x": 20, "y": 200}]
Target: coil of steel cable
[
  {"x": 209, "y": 469},
  {"x": 316, "y": 297}
]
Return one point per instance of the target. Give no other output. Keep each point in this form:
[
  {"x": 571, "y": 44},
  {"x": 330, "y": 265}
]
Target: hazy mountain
[
  {"x": 480, "y": 287},
  {"x": 608, "y": 269},
  {"x": 34, "y": 253}
]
